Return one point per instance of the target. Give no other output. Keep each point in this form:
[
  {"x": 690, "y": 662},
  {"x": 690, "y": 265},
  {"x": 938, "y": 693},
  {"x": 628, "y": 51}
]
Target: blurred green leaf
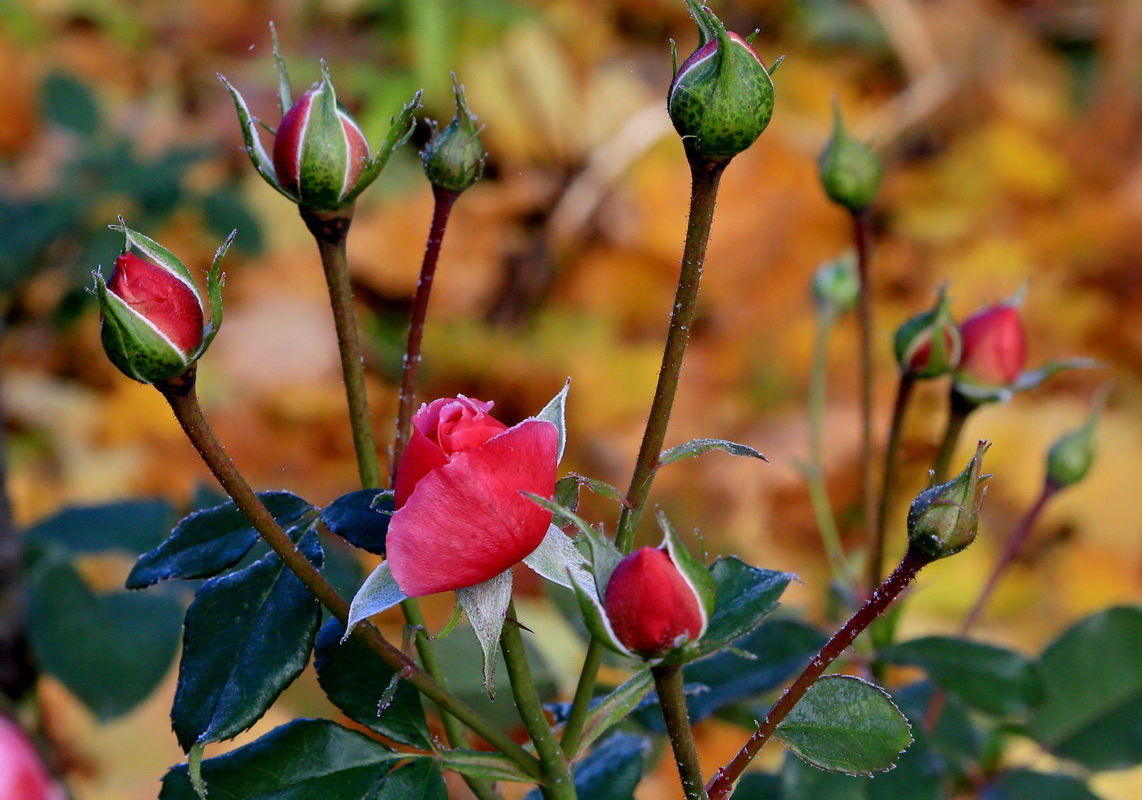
[
  {"x": 224, "y": 210},
  {"x": 1025, "y": 784},
  {"x": 758, "y": 786},
  {"x": 420, "y": 780},
  {"x": 696, "y": 447},
  {"x": 129, "y": 526},
  {"x": 66, "y": 101}
]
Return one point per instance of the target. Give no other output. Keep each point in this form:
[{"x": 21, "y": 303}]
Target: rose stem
[
  {"x": 815, "y": 475},
  {"x": 331, "y": 232},
  {"x": 1015, "y": 542},
  {"x": 705, "y": 174},
  {"x": 723, "y": 781},
  {"x": 891, "y": 463},
  {"x": 444, "y": 199},
  {"x": 557, "y": 782},
  {"x": 959, "y": 408},
  {"x": 181, "y": 396},
  {"x": 862, "y": 237},
  {"x": 672, "y": 701}
]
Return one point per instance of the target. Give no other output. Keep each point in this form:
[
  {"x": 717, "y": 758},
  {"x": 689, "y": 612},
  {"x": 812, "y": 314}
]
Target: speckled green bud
[
  {"x": 929, "y": 345},
  {"x": 721, "y": 98},
  {"x": 836, "y": 285},
  {"x": 850, "y": 171},
  {"x": 943, "y": 520},
  {"x": 1071, "y": 456},
  {"x": 454, "y": 158}
]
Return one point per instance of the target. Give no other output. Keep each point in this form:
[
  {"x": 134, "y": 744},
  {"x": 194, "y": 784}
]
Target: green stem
[
  {"x": 672, "y": 700},
  {"x": 724, "y": 779},
  {"x": 891, "y": 461},
  {"x": 862, "y": 237},
  {"x": 442, "y": 209},
  {"x": 959, "y": 409},
  {"x": 180, "y": 395},
  {"x": 330, "y": 231},
  {"x": 557, "y": 782},
  {"x": 581, "y": 702},
  {"x": 818, "y": 494}
]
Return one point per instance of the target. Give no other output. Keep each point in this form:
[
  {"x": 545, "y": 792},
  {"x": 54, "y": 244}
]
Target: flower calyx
[
  {"x": 944, "y": 518},
  {"x": 850, "y": 172},
  {"x": 454, "y": 158},
  {"x": 929, "y": 344}
]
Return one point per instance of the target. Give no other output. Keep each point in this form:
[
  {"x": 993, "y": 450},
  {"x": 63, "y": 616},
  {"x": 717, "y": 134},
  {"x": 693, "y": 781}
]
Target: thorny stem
[
  {"x": 672, "y": 700},
  {"x": 180, "y": 395},
  {"x": 557, "y": 783},
  {"x": 724, "y": 779},
  {"x": 862, "y": 237},
  {"x": 959, "y": 409},
  {"x": 444, "y": 200},
  {"x": 331, "y": 231},
  {"x": 888, "y": 482}
]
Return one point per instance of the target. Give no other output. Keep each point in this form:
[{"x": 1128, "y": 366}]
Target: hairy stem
[
  {"x": 557, "y": 783},
  {"x": 888, "y": 482},
  {"x": 672, "y": 700},
  {"x": 862, "y": 238},
  {"x": 180, "y": 395},
  {"x": 581, "y": 702},
  {"x": 959, "y": 409},
  {"x": 724, "y": 779},
  {"x": 410, "y": 368}
]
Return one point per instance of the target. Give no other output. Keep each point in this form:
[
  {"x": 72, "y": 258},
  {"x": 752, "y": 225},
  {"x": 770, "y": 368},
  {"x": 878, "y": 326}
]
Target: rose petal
[
  {"x": 467, "y": 522},
  {"x": 421, "y": 455}
]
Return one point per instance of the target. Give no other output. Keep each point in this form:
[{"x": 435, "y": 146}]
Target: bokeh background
[{"x": 1012, "y": 134}]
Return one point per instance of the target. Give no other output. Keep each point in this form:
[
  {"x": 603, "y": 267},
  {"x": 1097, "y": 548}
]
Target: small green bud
[
  {"x": 943, "y": 519},
  {"x": 721, "y": 98},
  {"x": 454, "y": 158},
  {"x": 850, "y": 171},
  {"x": 1071, "y": 456},
  {"x": 929, "y": 344},
  {"x": 836, "y": 285}
]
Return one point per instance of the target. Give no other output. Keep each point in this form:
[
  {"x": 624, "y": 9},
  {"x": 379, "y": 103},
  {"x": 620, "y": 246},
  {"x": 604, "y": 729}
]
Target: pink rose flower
[{"x": 462, "y": 517}]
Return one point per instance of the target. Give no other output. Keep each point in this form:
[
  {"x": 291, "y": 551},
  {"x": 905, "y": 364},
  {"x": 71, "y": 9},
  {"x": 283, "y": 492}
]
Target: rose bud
[
  {"x": 462, "y": 516},
  {"x": 943, "y": 519},
  {"x": 321, "y": 158},
  {"x": 850, "y": 171},
  {"x": 22, "y": 772},
  {"x": 721, "y": 98},
  {"x": 836, "y": 286},
  {"x": 454, "y": 157},
  {"x": 1072, "y": 455},
  {"x": 994, "y": 347},
  {"x": 651, "y": 607},
  {"x": 152, "y": 319},
  {"x": 928, "y": 345}
]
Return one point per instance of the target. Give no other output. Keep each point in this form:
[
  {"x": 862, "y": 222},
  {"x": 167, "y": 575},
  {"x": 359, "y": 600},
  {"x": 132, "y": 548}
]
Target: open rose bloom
[{"x": 465, "y": 514}]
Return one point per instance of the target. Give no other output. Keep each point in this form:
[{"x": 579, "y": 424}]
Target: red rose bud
[
  {"x": 721, "y": 98},
  {"x": 652, "y": 608},
  {"x": 22, "y": 773},
  {"x": 850, "y": 171},
  {"x": 943, "y": 520},
  {"x": 462, "y": 516},
  {"x": 928, "y": 345},
  {"x": 454, "y": 158},
  {"x": 994, "y": 347},
  {"x": 152, "y": 322}
]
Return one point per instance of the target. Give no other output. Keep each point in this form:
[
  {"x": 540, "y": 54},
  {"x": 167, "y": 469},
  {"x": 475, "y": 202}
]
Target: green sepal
[
  {"x": 944, "y": 518},
  {"x": 486, "y": 605},
  {"x": 595, "y": 617},
  {"x": 707, "y": 23},
  {"x": 930, "y": 326},
  {"x": 850, "y": 172},
  {"x": 254, "y": 147},
  {"x": 1028, "y": 380},
  {"x": 399, "y": 132},
  {"x": 1072, "y": 455},
  {"x": 454, "y": 158},
  {"x": 324, "y": 151},
  {"x": 697, "y": 577},
  {"x": 555, "y": 412},
  {"x": 696, "y": 447},
  {"x": 155, "y": 252},
  {"x": 285, "y": 92},
  {"x": 132, "y": 343},
  {"x": 215, "y": 280}
]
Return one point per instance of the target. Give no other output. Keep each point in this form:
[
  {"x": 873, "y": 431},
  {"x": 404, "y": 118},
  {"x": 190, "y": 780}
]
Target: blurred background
[{"x": 1012, "y": 136}]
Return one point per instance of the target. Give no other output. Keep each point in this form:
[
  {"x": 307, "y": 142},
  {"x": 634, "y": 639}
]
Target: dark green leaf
[
  {"x": 67, "y": 102},
  {"x": 481, "y": 764},
  {"x": 696, "y": 447},
  {"x": 131, "y": 526},
  {"x": 1093, "y": 674},
  {"x": 955, "y": 739},
  {"x": 224, "y": 210},
  {"x": 845, "y": 724},
  {"x": 758, "y": 786},
  {"x": 356, "y": 680},
  {"x": 110, "y": 650},
  {"x": 567, "y": 492},
  {"x": 247, "y": 636},
  {"x": 992, "y": 679},
  {"x": 745, "y": 595},
  {"x": 420, "y": 780},
  {"x": 207, "y": 542},
  {"x": 1024, "y": 784},
  {"x": 306, "y": 758},
  {"x": 355, "y": 519},
  {"x": 799, "y": 781},
  {"x": 612, "y": 770}
]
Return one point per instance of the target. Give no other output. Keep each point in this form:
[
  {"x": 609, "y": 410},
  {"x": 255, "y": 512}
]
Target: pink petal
[
  {"x": 421, "y": 455},
  {"x": 467, "y": 522}
]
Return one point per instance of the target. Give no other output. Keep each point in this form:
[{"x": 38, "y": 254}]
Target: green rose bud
[
  {"x": 836, "y": 285},
  {"x": 943, "y": 520},
  {"x": 929, "y": 344},
  {"x": 850, "y": 171},
  {"x": 1071, "y": 456},
  {"x": 721, "y": 98},
  {"x": 454, "y": 158}
]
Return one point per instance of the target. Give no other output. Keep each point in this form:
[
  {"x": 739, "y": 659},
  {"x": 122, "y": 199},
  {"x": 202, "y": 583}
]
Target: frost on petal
[{"x": 467, "y": 521}]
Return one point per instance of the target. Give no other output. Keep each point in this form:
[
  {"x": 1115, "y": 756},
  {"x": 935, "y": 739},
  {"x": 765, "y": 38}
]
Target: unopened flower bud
[
  {"x": 836, "y": 285},
  {"x": 994, "y": 347},
  {"x": 943, "y": 520},
  {"x": 721, "y": 98},
  {"x": 928, "y": 345},
  {"x": 850, "y": 171},
  {"x": 1071, "y": 456},
  {"x": 454, "y": 158},
  {"x": 652, "y": 608}
]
